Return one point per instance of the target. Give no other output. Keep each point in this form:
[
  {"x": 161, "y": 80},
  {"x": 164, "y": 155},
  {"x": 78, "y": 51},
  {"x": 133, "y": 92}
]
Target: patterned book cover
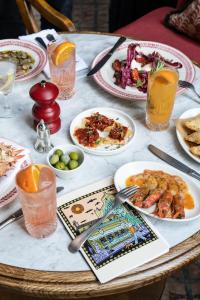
[{"x": 125, "y": 240}]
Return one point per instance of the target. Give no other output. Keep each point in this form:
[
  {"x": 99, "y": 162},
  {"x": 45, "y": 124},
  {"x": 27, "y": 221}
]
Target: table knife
[
  {"x": 19, "y": 214},
  {"x": 41, "y": 42},
  {"x": 174, "y": 162},
  {"x": 102, "y": 62}
]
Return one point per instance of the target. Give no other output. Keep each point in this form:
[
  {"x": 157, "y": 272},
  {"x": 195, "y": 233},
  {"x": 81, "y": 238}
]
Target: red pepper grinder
[{"x": 44, "y": 94}]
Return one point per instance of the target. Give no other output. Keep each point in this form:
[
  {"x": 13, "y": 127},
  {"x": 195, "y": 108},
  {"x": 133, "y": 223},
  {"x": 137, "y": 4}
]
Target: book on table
[{"x": 125, "y": 240}]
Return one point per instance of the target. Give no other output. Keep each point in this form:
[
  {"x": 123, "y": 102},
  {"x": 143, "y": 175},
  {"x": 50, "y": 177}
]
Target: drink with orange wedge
[
  {"x": 36, "y": 187},
  {"x": 161, "y": 92},
  {"x": 62, "y": 67}
]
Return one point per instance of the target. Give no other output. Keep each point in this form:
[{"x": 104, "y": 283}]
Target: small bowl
[{"x": 66, "y": 174}]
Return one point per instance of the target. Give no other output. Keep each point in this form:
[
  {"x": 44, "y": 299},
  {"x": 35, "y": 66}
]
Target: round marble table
[{"x": 45, "y": 267}]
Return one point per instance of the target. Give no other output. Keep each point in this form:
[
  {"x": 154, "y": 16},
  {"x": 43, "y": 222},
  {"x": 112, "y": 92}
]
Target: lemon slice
[
  {"x": 62, "y": 53},
  {"x": 28, "y": 179},
  {"x": 6, "y": 81}
]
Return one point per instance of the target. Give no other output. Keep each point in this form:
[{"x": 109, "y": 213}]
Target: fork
[
  {"x": 186, "y": 84},
  {"x": 120, "y": 198}
]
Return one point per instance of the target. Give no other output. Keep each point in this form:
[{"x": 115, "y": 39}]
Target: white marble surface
[{"x": 16, "y": 246}]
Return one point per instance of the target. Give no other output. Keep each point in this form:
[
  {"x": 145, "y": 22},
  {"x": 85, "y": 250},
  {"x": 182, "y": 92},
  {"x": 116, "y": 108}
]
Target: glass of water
[{"x": 7, "y": 78}]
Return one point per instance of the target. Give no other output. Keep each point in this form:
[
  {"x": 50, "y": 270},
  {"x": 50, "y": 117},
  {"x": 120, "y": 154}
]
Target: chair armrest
[{"x": 53, "y": 16}]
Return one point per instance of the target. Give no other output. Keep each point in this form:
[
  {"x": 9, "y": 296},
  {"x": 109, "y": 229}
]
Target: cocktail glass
[
  {"x": 63, "y": 71},
  {"x": 161, "y": 92},
  {"x": 39, "y": 207},
  {"x": 7, "y": 78}
]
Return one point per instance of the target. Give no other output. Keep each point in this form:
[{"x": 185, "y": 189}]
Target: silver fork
[
  {"x": 120, "y": 198},
  {"x": 186, "y": 84}
]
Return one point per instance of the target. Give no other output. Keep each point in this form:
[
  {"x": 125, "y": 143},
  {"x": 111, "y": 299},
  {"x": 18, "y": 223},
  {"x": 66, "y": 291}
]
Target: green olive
[
  {"x": 65, "y": 158},
  {"x": 60, "y": 165},
  {"x": 54, "y": 159},
  {"x": 73, "y": 164},
  {"x": 59, "y": 152},
  {"x": 73, "y": 155}
]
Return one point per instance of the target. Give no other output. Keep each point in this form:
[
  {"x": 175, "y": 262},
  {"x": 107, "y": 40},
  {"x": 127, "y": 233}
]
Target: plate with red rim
[
  {"x": 137, "y": 167},
  {"x": 111, "y": 113},
  {"x": 38, "y": 54},
  {"x": 104, "y": 77}
]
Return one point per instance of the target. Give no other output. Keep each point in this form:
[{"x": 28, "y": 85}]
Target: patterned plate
[
  {"x": 104, "y": 77},
  {"x": 35, "y": 51},
  {"x": 137, "y": 167}
]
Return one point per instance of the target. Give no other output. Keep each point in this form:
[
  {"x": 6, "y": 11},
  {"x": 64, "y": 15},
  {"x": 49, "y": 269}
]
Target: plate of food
[
  {"x": 30, "y": 58},
  {"x": 13, "y": 157},
  {"x": 125, "y": 75},
  {"x": 103, "y": 131},
  {"x": 165, "y": 193},
  {"x": 188, "y": 132}
]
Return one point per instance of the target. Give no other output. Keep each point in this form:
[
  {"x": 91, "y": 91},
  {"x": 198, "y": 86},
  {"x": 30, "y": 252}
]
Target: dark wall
[
  {"x": 123, "y": 12},
  {"x": 10, "y": 20}
]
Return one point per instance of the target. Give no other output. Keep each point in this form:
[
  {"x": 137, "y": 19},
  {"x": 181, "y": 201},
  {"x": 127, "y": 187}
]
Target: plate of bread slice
[{"x": 188, "y": 132}]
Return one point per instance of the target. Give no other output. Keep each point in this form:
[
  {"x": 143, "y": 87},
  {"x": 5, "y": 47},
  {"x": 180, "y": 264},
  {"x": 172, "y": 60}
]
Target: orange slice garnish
[
  {"x": 62, "y": 53},
  {"x": 28, "y": 179},
  {"x": 166, "y": 77}
]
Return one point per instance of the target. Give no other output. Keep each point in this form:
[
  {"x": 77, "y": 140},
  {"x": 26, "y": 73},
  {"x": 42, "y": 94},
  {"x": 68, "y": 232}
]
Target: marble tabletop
[{"x": 17, "y": 248}]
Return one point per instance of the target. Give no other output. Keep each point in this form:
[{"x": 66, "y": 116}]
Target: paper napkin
[{"x": 80, "y": 63}]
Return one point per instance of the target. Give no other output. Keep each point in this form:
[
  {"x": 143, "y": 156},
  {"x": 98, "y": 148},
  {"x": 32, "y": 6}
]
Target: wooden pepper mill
[{"x": 44, "y": 94}]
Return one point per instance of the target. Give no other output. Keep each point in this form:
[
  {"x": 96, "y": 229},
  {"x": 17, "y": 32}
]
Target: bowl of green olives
[{"x": 66, "y": 160}]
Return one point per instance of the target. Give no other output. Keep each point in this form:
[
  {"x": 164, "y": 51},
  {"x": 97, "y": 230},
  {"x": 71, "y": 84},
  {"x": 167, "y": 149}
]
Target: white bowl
[{"x": 66, "y": 174}]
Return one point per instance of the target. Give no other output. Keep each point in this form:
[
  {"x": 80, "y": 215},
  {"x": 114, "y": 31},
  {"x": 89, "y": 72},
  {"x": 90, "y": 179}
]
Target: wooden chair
[{"x": 47, "y": 11}]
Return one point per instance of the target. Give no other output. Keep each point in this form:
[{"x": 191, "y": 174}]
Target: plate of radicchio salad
[
  {"x": 125, "y": 74},
  {"x": 164, "y": 193},
  {"x": 102, "y": 131}
]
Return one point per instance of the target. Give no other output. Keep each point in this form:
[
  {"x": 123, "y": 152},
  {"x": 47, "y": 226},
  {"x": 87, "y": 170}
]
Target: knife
[
  {"x": 19, "y": 214},
  {"x": 174, "y": 162},
  {"x": 102, "y": 62},
  {"x": 41, "y": 42}
]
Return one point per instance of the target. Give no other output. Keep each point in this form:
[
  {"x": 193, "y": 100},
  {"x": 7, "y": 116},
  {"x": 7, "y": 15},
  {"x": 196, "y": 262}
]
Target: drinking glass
[
  {"x": 161, "y": 92},
  {"x": 7, "y": 78},
  {"x": 63, "y": 75},
  {"x": 39, "y": 208}
]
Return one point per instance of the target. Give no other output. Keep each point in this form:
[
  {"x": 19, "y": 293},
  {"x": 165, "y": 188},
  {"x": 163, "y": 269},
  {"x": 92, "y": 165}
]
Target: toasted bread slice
[
  {"x": 194, "y": 123},
  {"x": 195, "y": 150},
  {"x": 193, "y": 137}
]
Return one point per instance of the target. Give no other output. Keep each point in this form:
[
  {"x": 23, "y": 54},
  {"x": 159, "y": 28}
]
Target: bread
[
  {"x": 194, "y": 123},
  {"x": 193, "y": 137},
  {"x": 195, "y": 150}
]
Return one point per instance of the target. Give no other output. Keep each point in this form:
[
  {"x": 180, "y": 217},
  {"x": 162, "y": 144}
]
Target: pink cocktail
[
  {"x": 62, "y": 64},
  {"x": 36, "y": 187}
]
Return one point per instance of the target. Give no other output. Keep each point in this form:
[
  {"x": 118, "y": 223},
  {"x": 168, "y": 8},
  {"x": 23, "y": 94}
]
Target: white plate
[
  {"x": 138, "y": 167},
  {"x": 188, "y": 114},
  {"x": 115, "y": 114},
  {"x": 104, "y": 77},
  {"x": 35, "y": 51}
]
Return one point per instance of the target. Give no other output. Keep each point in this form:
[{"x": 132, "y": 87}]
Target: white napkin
[{"x": 80, "y": 63}]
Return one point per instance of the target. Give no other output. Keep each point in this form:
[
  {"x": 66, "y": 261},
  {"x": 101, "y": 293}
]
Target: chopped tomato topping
[
  {"x": 135, "y": 74},
  {"x": 118, "y": 132},
  {"x": 98, "y": 121},
  {"x": 87, "y": 136}
]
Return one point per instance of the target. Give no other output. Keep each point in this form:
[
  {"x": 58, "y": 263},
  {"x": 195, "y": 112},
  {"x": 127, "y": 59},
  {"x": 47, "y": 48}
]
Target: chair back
[{"x": 47, "y": 11}]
